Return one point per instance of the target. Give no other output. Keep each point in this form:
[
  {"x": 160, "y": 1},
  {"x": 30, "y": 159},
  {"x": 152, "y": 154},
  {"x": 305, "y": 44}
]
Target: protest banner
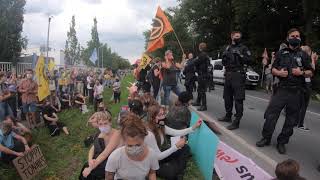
[
  {"x": 232, "y": 165},
  {"x": 203, "y": 143},
  {"x": 29, "y": 165},
  {"x": 145, "y": 60}
]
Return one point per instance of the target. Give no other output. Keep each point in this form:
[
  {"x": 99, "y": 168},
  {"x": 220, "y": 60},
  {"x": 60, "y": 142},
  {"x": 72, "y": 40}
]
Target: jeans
[
  {"x": 167, "y": 90},
  {"x": 5, "y": 110}
]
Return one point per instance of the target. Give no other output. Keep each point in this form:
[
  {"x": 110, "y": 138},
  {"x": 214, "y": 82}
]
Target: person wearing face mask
[
  {"x": 291, "y": 66},
  {"x": 172, "y": 157},
  {"x": 12, "y": 145},
  {"x": 234, "y": 58},
  {"x": 51, "y": 120},
  {"x": 29, "y": 89},
  {"x": 104, "y": 143},
  {"x": 55, "y": 101},
  {"x": 135, "y": 160}
]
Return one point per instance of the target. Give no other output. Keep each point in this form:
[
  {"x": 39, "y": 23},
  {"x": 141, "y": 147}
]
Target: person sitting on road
[
  {"x": 52, "y": 121},
  {"x": 179, "y": 115},
  {"x": 135, "y": 160},
  {"x": 104, "y": 143},
  {"x": 288, "y": 170},
  {"x": 12, "y": 145}
]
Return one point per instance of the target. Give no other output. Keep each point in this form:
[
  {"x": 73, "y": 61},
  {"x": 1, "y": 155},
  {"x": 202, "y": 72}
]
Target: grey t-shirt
[{"x": 125, "y": 168}]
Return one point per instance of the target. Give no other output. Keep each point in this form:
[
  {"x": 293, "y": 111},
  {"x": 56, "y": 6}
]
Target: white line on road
[{"x": 267, "y": 101}]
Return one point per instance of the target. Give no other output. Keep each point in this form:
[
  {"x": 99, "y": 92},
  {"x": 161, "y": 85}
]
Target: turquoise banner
[{"x": 203, "y": 143}]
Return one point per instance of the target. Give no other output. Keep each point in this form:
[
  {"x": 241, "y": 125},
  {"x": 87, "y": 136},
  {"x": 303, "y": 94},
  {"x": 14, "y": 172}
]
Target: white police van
[{"x": 252, "y": 78}]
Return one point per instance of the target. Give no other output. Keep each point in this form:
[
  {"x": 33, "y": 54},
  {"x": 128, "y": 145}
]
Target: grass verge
[{"x": 65, "y": 155}]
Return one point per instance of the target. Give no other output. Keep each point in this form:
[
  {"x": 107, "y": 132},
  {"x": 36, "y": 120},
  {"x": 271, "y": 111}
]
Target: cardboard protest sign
[
  {"x": 30, "y": 164},
  {"x": 203, "y": 143},
  {"x": 232, "y": 165}
]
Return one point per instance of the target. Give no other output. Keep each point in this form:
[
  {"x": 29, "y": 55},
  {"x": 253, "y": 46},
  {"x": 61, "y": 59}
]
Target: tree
[
  {"x": 11, "y": 25},
  {"x": 93, "y": 43},
  {"x": 72, "y": 47}
]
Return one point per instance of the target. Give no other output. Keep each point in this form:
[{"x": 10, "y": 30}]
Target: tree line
[
  {"x": 12, "y": 42},
  {"x": 264, "y": 24}
]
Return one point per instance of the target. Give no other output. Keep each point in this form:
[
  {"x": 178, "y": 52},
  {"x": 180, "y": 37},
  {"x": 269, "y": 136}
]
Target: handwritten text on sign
[{"x": 30, "y": 164}]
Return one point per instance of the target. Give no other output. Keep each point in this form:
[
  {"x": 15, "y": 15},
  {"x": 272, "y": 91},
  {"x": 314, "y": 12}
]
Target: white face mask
[
  {"x": 105, "y": 129},
  {"x": 134, "y": 150},
  {"x": 29, "y": 76}
]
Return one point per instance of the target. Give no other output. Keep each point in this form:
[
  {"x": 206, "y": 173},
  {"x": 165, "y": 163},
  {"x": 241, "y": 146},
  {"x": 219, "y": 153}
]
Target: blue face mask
[{"x": 105, "y": 129}]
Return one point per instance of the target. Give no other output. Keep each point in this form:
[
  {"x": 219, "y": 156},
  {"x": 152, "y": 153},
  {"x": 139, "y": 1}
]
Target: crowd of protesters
[{"x": 21, "y": 111}]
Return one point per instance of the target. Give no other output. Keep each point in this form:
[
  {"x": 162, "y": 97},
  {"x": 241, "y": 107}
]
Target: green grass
[{"x": 65, "y": 155}]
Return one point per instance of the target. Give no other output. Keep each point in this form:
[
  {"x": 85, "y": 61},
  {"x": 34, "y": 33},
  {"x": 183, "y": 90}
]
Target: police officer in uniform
[
  {"x": 291, "y": 66},
  {"x": 210, "y": 77},
  {"x": 189, "y": 72},
  {"x": 201, "y": 63},
  {"x": 234, "y": 58}
]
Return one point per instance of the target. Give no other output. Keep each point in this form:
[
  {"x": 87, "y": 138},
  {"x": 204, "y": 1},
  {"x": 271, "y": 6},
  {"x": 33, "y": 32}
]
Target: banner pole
[{"x": 178, "y": 41}]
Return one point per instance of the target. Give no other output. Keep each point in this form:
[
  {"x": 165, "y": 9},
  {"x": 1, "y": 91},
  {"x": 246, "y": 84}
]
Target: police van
[{"x": 252, "y": 78}]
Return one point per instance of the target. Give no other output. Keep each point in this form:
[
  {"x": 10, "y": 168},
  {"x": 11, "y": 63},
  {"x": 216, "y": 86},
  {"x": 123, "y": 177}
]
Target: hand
[
  {"x": 197, "y": 124},
  {"x": 86, "y": 172},
  {"x": 181, "y": 143},
  {"x": 27, "y": 148},
  {"x": 184, "y": 56},
  {"x": 297, "y": 71},
  {"x": 314, "y": 57},
  {"x": 283, "y": 73},
  {"x": 133, "y": 89},
  {"x": 92, "y": 162},
  {"x": 19, "y": 154}
]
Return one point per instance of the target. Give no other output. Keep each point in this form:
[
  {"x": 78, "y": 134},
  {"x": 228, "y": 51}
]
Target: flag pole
[{"x": 178, "y": 40}]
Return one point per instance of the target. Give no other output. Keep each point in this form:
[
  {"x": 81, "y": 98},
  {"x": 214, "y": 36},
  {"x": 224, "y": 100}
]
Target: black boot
[
  {"x": 235, "y": 124},
  {"x": 225, "y": 119},
  {"x": 197, "y": 103},
  {"x": 202, "y": 108},
  {"x": 263, "y": 142},
  {"x": 281, "y": 148}
]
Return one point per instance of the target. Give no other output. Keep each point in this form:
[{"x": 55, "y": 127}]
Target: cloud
[
  {"x": 48, "y": 7},
  {"x": 121, "y": 23}
]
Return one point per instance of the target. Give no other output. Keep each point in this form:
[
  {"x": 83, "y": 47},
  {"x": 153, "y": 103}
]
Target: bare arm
[
  {"x": 152, "y": 175},
  {"x": 50, "y": 119},
  {"x": 90, "y": 154},
  {"x": 114, "y": 141},
  {"x": 7, "y": 150},
  {"x": 23, "y": 140},
  {"x": 109, "y": 175}
]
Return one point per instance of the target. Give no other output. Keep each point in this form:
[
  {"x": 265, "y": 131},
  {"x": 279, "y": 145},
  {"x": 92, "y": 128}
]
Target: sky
[{"x": 121, "y": 23}]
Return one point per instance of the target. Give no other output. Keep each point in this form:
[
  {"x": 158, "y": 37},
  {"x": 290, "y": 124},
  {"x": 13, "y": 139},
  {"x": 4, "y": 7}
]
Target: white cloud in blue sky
[{"x": 120, "y": 22}]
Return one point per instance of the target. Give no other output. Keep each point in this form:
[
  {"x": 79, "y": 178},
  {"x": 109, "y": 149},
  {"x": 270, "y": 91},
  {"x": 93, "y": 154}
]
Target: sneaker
[{"x": 303, "y": 128}]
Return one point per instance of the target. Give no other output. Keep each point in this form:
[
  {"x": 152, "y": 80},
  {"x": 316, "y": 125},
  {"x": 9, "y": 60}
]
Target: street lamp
[{"x": 50, "y": 17}]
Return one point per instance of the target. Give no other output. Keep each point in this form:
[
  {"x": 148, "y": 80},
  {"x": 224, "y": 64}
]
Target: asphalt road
[{"x": 303, "y": 146}]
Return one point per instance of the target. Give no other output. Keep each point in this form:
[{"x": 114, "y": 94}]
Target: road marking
[{"x": 267, "y": 101}]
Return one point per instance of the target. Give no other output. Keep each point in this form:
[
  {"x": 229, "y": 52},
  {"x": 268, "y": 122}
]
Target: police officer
[
  {"x": 210, "y": 77},
  {"x": 201, "y": 63},
  {"x": 291, "y": 66},
  {"x": 234, "y": 58},
  {"x": 189, "y": 72}
]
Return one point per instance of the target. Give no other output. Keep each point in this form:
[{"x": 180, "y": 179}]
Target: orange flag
[{"x": 161, "y": 26}]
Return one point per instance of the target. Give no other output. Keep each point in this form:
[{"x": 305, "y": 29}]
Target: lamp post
[{"x": 50, "y": 17}]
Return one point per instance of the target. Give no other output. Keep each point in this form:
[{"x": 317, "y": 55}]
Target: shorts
[
  {"x": 31, "y": 107},
  {"x": 55, "y": 129}
]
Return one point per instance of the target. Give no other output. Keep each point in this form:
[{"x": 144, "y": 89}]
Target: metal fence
[{"x": 21, "y": 67}]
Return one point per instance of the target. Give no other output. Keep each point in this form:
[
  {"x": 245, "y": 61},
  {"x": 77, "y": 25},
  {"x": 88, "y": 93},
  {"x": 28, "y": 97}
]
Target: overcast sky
[{"x": 120, "y": 22}]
